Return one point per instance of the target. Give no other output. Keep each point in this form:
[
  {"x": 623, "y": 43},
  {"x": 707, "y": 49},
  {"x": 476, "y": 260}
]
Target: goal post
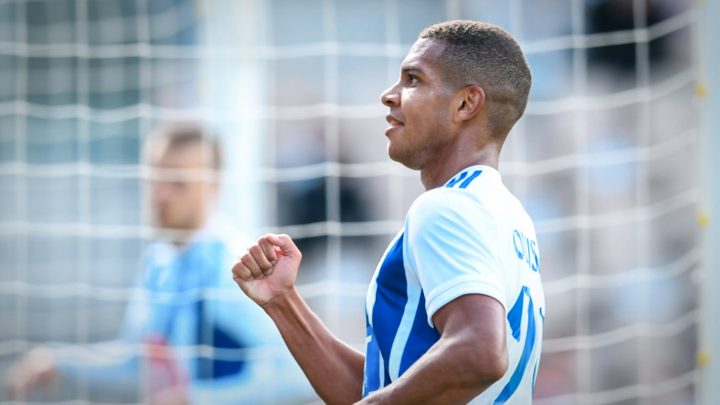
[
  {"x": 709, "y": 217},
  {"x": 232, "y": 89}
]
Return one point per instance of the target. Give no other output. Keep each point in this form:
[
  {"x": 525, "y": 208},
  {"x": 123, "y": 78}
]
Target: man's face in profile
[{"x": 180, "y": 197}]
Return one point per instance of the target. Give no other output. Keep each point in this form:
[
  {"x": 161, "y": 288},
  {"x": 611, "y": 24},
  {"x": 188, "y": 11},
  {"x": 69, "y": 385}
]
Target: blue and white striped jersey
[
  {"x": 471, "y": 236},
  {"x": 217, "y": 340}
]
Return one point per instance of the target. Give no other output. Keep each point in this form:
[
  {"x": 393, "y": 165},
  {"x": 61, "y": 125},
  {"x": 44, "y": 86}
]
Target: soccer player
[
  {"x": 181, "y": 305},
  {"x": 455, "y": 308}
]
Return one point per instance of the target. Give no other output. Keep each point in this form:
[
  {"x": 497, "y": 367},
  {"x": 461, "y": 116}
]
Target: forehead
[
  {"x": 191, "y": 155},
  {"x": 423, "y": 55}
]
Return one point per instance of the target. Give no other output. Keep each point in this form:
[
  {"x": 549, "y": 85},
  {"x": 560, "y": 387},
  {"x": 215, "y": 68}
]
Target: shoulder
[
  {"x": 440, "y": 198},
  {"x": 448, "y": 205},
  {"x": 449, "y": 219},
  {"x": 227, "y": 236},
  {"x": 158, "y": 258},
  {"x": 472, "y": 190}
]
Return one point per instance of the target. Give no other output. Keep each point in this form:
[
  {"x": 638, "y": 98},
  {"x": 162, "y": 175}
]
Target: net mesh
[{"x": 603, "y": 161}]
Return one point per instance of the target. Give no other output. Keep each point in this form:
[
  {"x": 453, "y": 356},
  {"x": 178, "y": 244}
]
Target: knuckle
[
  {"x": 237, "y": 268},
  {"x": 247, "y": 260}
]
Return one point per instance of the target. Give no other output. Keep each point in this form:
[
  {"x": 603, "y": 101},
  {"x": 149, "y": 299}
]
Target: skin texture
[
  {"x": 267, "y": 275},
  {"x": 35, "y": 369},
  {"x": 434, "y": 127},
  {"x": 438, "y": 130},
  {"x": 180, "y": 197},
  {"x": 180, "y": 206}
]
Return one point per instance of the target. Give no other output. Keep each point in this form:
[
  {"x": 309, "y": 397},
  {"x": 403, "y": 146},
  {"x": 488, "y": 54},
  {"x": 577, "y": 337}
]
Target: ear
[{"x": 471, "y": 100}]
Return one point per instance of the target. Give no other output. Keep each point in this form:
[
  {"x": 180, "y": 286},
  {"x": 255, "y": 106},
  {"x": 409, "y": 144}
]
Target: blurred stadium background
[{"x": 605, "y": 160}]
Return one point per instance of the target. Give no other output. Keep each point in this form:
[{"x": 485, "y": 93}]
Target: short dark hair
[
  {"x": 181, "y": 135},
  {"x": 484, "y": 54}
]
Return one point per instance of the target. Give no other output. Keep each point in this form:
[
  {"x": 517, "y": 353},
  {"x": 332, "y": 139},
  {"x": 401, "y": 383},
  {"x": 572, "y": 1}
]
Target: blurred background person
[{"x": 185, "y": 336}]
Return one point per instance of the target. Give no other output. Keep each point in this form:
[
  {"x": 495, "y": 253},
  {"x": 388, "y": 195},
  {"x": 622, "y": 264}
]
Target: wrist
[
  {"x": 289, "y": 312},
  {"x": 281, "y": 301}
]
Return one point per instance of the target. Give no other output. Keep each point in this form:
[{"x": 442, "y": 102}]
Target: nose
[{"x": 390, "y": 97}]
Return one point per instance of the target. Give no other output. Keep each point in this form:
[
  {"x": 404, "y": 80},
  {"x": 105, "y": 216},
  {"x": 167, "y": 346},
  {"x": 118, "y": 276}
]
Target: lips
[{"x": 393, "y": 121}]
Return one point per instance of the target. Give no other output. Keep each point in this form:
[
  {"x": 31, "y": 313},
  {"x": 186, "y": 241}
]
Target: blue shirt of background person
[{"x": 187, "y": 336}]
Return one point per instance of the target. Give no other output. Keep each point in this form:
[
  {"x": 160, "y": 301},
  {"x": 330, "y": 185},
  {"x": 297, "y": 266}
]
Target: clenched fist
[{"x": 269, "y": 269}]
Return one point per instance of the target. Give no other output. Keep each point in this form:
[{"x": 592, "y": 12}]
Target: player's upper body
[
  {"x": 187, "y": 336},
  {"x": 470, "y": 236},
  {"x": 205, "y": 342},
  {"x": 462, "y": 87}
]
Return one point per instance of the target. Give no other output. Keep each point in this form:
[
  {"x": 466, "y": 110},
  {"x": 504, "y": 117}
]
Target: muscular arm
[
  {"x": 469, "y": 357},
  {"x": 267, "y": 274},
  {"x": 334, "y": 369}
]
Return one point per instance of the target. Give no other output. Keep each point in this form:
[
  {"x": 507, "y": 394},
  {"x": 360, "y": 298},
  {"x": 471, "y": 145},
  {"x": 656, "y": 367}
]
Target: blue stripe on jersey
[
  {"x": 390, "y": 301},
  {"x": 371, "y": 380},
  {"x": 422, "y": 336},
  {"x": 515, "y": 320},
  {"x": 211, "y": 334}
]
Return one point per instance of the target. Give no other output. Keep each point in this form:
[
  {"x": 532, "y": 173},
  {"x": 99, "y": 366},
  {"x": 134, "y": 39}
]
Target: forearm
[
  {"x": 110, "y": 365},
  {"x": 334, "y": 369},
  {"x": 446, "y": 374}
]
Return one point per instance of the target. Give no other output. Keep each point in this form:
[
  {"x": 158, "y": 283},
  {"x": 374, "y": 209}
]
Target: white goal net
[{"x": 604, "y": 160}]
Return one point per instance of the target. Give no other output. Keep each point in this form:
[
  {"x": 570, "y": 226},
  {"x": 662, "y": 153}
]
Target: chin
[
  {"x": 393, "y": 153},
  {"x": 403, "y": 159},
  {"x": 166, "y": 223}
]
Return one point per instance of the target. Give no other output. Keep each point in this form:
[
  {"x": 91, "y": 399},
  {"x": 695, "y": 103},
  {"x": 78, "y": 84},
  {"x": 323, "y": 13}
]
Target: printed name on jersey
[{"x": 526, "y": 250}]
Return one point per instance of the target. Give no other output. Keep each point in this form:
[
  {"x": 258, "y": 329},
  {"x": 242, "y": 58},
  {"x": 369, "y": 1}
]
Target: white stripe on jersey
[{"x": 406, "y": 324}]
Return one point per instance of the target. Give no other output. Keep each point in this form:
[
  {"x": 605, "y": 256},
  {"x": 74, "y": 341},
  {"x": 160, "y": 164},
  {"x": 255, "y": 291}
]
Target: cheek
[
  {"x": 195, "y": 197},
  {"x": 419, "y": 110}
]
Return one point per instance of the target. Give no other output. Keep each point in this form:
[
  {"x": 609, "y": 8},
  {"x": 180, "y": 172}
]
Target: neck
[
  {"x": 179, "y": 237},
  {"x": 439, "y": 172},
  {"x": 182, "y": 237}
]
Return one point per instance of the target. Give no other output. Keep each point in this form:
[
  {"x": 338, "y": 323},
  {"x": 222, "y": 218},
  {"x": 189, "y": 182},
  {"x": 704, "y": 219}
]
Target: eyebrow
[{"x": 411, "y": 68}]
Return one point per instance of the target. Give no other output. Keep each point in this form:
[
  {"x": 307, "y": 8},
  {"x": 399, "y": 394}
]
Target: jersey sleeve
[{"x": 452, "y": 240}]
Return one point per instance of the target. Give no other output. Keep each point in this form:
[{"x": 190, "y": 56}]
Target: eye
[{"x": 412, "y": 79}]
